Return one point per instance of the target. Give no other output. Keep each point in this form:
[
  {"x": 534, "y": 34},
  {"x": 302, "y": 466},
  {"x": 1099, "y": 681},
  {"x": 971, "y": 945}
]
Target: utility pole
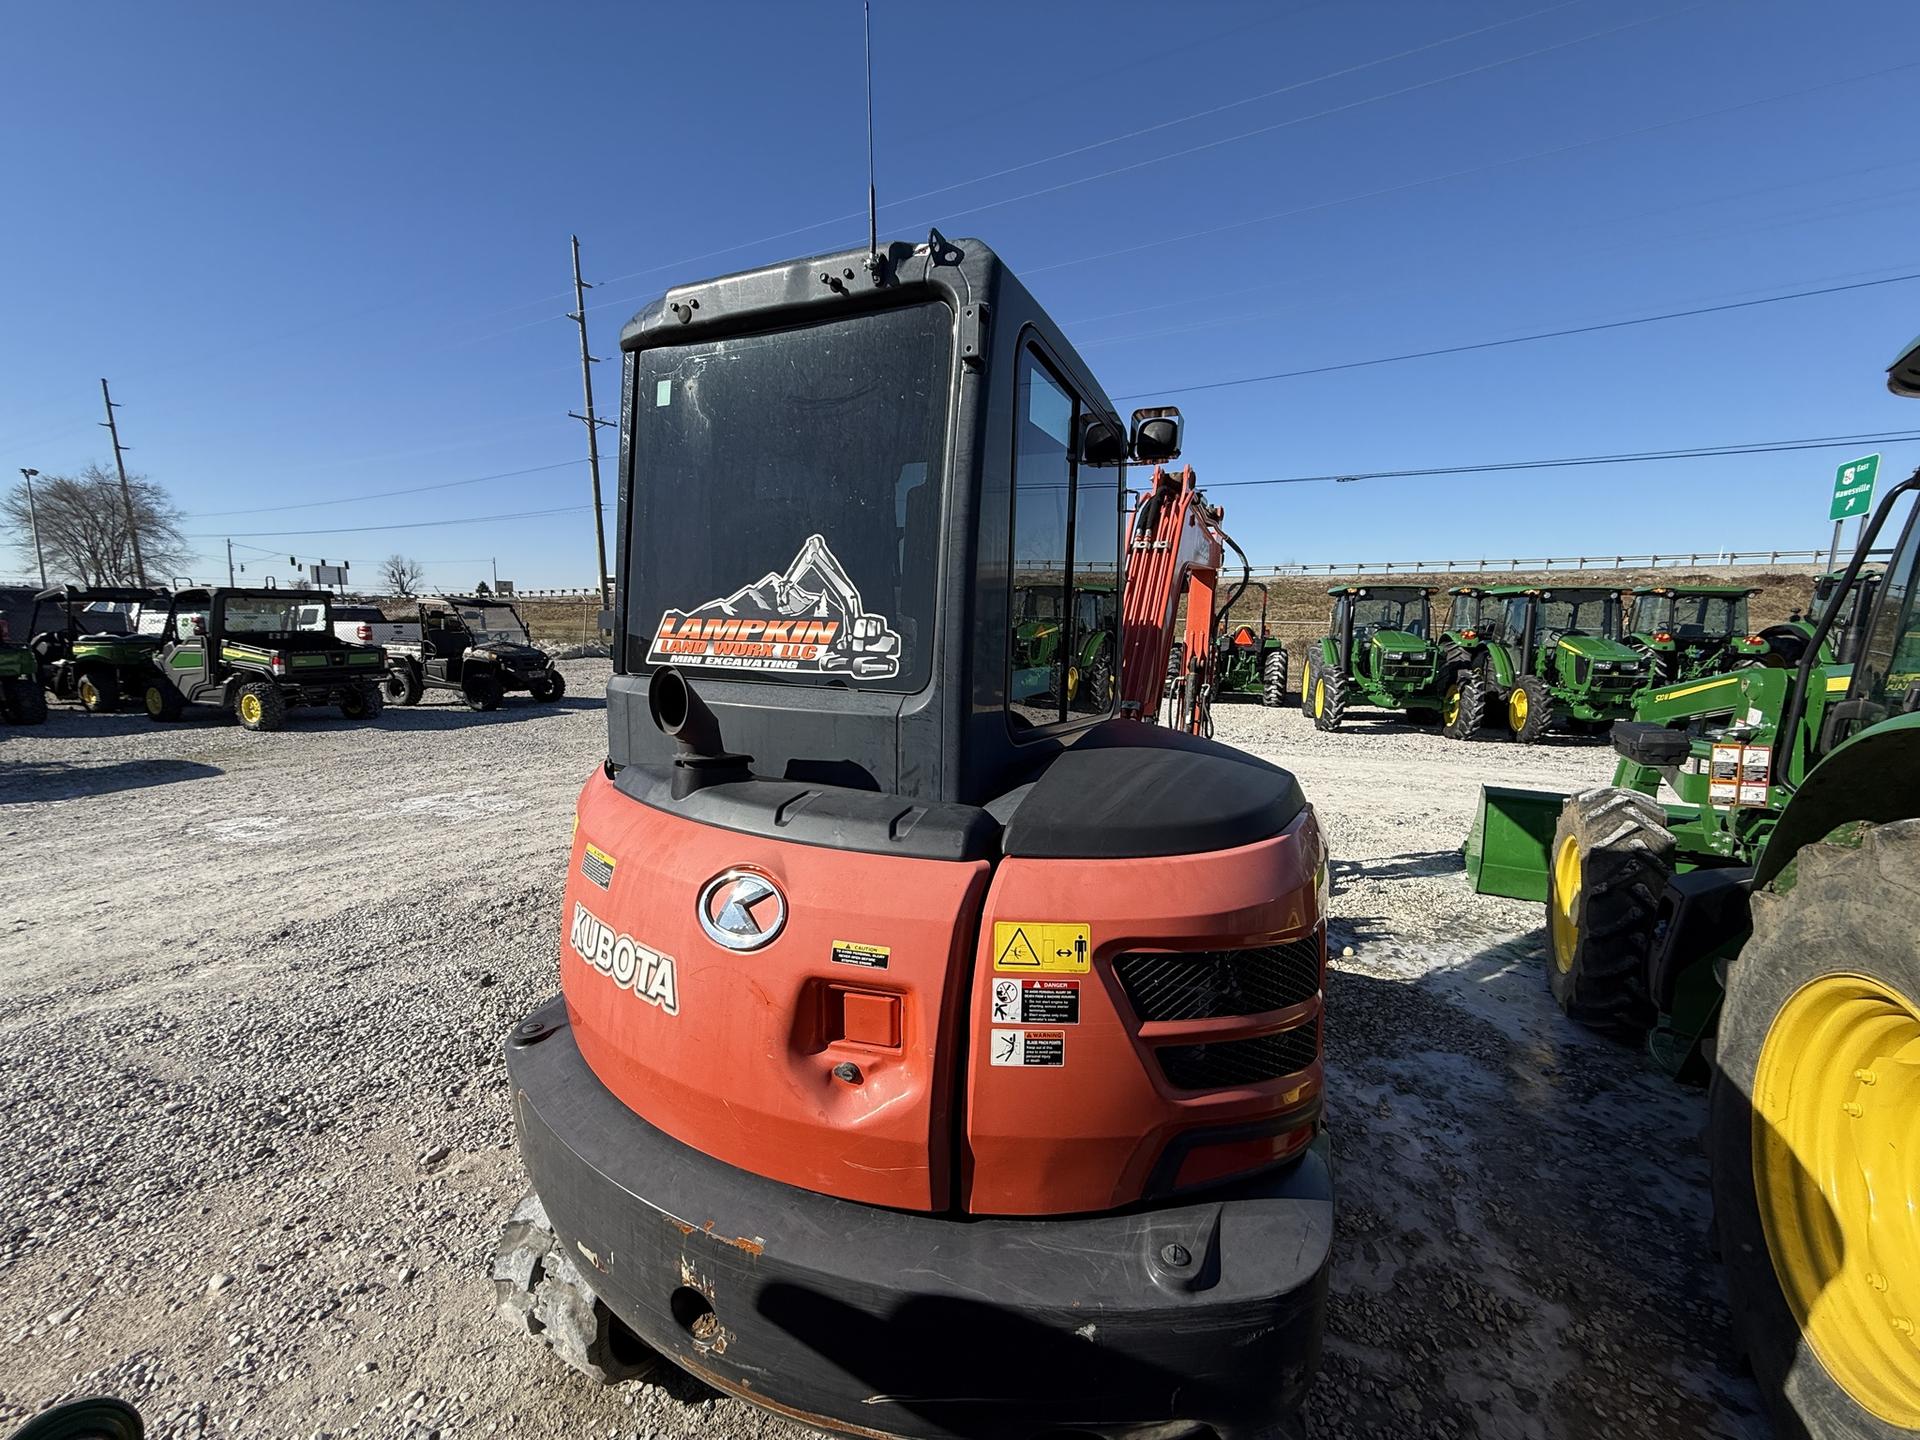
[
  {"x": 229, "y": 564},
  {"x": 579, "y": 316},
  {"x": 33, "y": 524},
  {"x": 494, "y": 561},
  {"x": 126, "y": 490}
]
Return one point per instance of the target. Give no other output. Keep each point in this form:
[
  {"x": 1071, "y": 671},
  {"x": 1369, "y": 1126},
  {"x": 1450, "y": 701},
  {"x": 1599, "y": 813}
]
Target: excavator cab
[{"x": 920, "y": 1011}]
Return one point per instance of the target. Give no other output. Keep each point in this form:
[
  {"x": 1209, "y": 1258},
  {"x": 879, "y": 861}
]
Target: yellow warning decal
[{"x": 1042, "y": 945}]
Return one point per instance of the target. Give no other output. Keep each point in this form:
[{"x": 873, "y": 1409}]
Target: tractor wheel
[
  {"x": 482, "y": 690},
  {"x": 161, "y": 700},
  {"x": 98, "y": 691},
  {"x": 1273, "y": 677},
  {"x": 1328, "y": 703},
  {"x": 402, "y": 685},
  {"x": 538, "y": 1291},
  {"x": 1465, "y": 710},
  {"x": 1612, "y": 855},
  {"x": 1530, "y": 709},
  {"x": 25, "y": 702},
  {"x": 363, "y": 702},
  {"x": 1815, "y": 1181},
  {"x": 261, "y": 706},
  {"x": 550, "y": 686}
]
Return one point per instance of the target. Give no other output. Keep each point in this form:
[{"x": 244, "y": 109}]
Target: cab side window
[
  {"x": 1889, "y": 667},
  {"x": 187, "y": 624},
  {"x": 1065, "y": 604}
]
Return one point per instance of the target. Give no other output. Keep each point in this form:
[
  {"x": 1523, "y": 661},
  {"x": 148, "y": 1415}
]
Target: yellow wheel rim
[
  {"x": 1450, "y": 712},
  {"x": 1517, "y": 708},
  {"x": 1561, "y": 898},
  {"x": 250, "y": 709},
  {"x": 1073, "y": 681},
  {"x": 1837, "y": 1176},
  {"x": 89, "y": 693},
  {"x": 1319, "y": 698},
  {"x": 156, "y": 703}
]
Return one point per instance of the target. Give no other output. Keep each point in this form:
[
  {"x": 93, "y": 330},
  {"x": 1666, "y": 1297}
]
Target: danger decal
[
  {"x": 624, "y": 960},
  {"x": 1040, "y": 1049},
  {"x": 807, "y": 619},
  {"x": 1035, "y": 1002}
]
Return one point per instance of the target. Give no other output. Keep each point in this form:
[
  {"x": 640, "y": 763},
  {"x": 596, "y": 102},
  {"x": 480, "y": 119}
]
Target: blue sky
[{"x": 322, "y": 251}]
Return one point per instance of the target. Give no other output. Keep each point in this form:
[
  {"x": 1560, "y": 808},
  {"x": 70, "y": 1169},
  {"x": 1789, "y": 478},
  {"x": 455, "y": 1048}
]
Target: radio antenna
[{"x": 873, "y": 208}]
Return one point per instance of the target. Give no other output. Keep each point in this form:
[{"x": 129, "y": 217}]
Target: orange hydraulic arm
[{"x": 1175, "y": 545}]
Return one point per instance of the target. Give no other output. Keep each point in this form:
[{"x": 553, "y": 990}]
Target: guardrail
[{"x": 1683, "y": 560}]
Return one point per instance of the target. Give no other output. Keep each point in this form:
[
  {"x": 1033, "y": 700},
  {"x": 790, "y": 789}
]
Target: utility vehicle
[
  {"x": 1770, "y": 908},
  {"x": 1253, "y": 662},
  {"x": 933, "y": 1059},
  {"x": 22, "y": 701},
  {"x": 1686, "y": 631},
  {"x": 476, "y": 646},
  {"x": 1546, "y": 658},
  {"x": 258, "y": 654},
  {"x": 84, "y": 660},
  {"x": 1378, "y": 651}
]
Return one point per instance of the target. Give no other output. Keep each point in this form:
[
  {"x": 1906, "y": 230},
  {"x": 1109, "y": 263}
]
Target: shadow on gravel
[
  {"x": 63, "y": 721},
  {"x": 1414, "y": 864},
  {"x": 459, "y": 717},
  {"x": 30, "y": 782},
  {"x": 1522, "y": 1237}
]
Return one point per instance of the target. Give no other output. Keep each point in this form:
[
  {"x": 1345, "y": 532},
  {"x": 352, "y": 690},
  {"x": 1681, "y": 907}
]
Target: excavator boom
[{"x": 1175, "y": 545}]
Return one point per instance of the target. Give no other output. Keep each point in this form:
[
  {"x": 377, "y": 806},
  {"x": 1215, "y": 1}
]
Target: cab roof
[
  {"x": 1731, "y": 592},
  {"x": 74, "y": 594},
  {"x": 250, "y": 592},
  {"x": 1553, "y": 592},
  {"x": 453, "y": 600},
  {"x": 1401, "y": 590}
]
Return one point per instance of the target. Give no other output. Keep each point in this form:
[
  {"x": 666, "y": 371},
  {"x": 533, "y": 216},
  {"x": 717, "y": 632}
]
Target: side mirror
[
  {"x": 1101, "y": 443},
  {"x": 1156, "y": 435}
]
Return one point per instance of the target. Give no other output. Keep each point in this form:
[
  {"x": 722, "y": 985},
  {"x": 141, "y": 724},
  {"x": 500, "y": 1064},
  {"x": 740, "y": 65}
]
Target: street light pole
[{"x": 33, "y": 524}]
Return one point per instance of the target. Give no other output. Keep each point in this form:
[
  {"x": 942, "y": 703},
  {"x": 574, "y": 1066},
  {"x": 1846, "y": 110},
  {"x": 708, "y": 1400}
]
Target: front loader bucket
[{"x": 1507, "y": 847}]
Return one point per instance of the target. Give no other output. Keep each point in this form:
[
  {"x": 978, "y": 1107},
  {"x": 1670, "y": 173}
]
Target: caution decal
[
  {"x": 597, "y": 865},
  {"x": 1042, "y": 945},
  {"x": 868, "y": 957},
  {"x": 1038, "y": 1049}
]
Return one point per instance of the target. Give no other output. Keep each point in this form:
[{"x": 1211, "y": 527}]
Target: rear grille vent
[
  {"x": 1241, "y": 1062},
  {"x": 1209, "y": 984}
]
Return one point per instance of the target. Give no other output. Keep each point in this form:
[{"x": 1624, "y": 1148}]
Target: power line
[
  {"x": 407, "y": 525},
  {"x": 1516, "y": 339},
  {"x": 1633, "y": 457},
  {"x": 382, "y": 494}
]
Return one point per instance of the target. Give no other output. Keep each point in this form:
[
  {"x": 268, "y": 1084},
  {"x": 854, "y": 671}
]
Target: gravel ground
[{"x": 259, "y": 1131}]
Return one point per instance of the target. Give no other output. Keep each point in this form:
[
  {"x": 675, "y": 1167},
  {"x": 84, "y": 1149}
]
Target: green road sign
[{"x": 1853, "y": 487}]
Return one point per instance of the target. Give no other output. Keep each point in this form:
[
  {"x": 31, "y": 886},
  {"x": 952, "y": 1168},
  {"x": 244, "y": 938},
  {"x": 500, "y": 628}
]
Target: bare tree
[
  {"x": 401, "y": 573},
  {"x": 83, "y": 527}
]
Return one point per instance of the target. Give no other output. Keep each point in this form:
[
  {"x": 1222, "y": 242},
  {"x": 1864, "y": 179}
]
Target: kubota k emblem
[{"x": 742, "y": 910}]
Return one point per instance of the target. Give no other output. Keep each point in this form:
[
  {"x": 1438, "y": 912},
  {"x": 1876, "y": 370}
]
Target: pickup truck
[{"x": 364, "y": 625}]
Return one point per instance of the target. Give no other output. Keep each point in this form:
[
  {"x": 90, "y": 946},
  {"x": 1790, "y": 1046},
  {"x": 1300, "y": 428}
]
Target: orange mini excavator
[{"x": 938, "y": 1050}]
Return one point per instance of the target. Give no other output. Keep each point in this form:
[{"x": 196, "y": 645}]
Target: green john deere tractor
[
  {"x": 1378, "y": 651},
  {"x": 22, "y": 701},
  {"x": 1252, "y": 662},
  {"x": 1759, "y": 927},
  {"x": 1685, "y": 631},
  {"x": 1040, "y": 644},
  {"x": 259, "y": 653},
  {"x": 85, "y": 657},
  {"x": 1543, "y": 658}
]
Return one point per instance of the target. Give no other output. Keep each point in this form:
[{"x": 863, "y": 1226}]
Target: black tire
[
  {"x": 161, "y": 701},
  {"x": 1273, "y": 677},
  {"x": 540, "y": 1292},
  {"x": 1840, "y": 919},
  {"x": 1328, "y": 702},
  {"x": 550, "y": 686},
  {"x": 363, "y": 702},
  {"x": 100, "y": 1418},
  {"x": 482, "y": 690},
  {"x": 1611, "y": 858},
  {"x": 260, "y": 706},
  {"x": 1466, "y": 705},
  {"x": 1533, "y": 696},
  {"x": 98, "y": 690},
  {"x": 26, "y": 702},
  {"x": 402, "y": 685},
  {"x": 1176, "y": 657}
]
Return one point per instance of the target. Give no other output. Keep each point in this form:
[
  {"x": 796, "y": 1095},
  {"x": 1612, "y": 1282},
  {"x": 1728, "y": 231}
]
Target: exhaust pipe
[{"x": 683, "y": 717}]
